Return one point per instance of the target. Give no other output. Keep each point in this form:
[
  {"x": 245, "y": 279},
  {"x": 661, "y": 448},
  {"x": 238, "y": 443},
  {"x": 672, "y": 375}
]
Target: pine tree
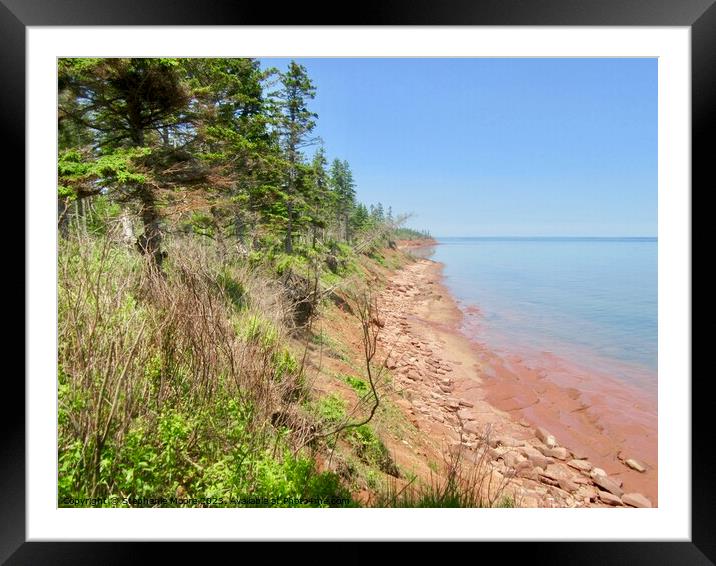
[
  {"x": 343, "y": 187},
  {"x": 296, "y": 123},
  {"x": 122, "y": 104}
]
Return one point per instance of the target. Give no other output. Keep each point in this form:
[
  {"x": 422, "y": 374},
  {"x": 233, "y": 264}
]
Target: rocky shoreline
[{"x": 441, "y": 377}]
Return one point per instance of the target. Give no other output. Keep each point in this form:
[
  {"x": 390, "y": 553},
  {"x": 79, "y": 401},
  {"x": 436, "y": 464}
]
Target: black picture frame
[{"x": 699, "y": 15}]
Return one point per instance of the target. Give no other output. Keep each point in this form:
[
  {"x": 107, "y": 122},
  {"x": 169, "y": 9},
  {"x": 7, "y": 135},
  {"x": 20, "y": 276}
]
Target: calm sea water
[{"x": 590, "y": 300}]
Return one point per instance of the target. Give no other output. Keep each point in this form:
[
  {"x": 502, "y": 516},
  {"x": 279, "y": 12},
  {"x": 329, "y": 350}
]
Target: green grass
[
  {"x": 330, "y": 408},
  {"x": 360, "y": 386},
  {"x": 371, "y": 449}
]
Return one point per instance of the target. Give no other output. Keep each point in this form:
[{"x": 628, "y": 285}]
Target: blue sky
[{"x": 497, "y": 147}]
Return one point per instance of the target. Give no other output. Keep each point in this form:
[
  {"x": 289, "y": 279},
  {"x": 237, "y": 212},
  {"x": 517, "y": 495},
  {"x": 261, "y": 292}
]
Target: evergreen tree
[
  {"x": 123, "y": 104},
  {"x": 343, "y": 188},
  {"x": 295, "y": 125}
]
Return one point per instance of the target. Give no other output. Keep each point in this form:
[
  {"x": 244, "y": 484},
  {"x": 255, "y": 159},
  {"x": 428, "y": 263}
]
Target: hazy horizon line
[{"x": 552, "y": 237}]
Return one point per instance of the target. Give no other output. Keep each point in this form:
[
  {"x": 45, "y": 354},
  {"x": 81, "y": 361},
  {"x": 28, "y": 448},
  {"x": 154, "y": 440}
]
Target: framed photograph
[{"x": 420, "y": 276}]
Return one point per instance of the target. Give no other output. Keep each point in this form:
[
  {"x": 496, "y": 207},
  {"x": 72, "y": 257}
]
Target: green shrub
[
  {"x": 234, "y": 290},
  {"x": 331, "y": 408},
  {"x": 370, "y": 448},
  {"x": 284, "y": 364},
  {"x": 257, "y": 330},
  {"x": 360, "y": 386}
]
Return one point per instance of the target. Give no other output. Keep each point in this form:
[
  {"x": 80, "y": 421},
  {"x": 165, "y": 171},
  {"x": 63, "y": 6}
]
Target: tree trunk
[
  {"x": 289, "y": 229},
  {"x": 127, "y": 228},
  {"x": 219, "y": 233},
  {"x": 150, "y": 242},
  {"x": 63, "y": 216}
]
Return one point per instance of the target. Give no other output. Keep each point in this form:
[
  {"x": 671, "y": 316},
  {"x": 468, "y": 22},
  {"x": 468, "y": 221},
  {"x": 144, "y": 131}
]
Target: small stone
[
  {"x": 465, "y": 415},
  {"x": 414, "y": 375},
  {"x": 609, "y": 498},
  {"x": 568, "y": 485},
  {"x": 471, "y": 427},
  {"x": 581, "y": 465},
  {"x": 536, "y": 457},
  {"x": 526, "y": 472},
  {"x": 597, "y": 472},
  {"x": 636, "y": 500},
  {"x": 512, "y": 459},
  {"x": 464, "y": 403},
  {"x": 635, "y": 465},
  {"x": 560, "y": 452},
  {"x": 589, "y": 492},
  {"x": 608, "y": 484},
  {"x": 549, "y": 481},
  {"x": 557, "y": 471},
  {"x": 546, "y": 437}
]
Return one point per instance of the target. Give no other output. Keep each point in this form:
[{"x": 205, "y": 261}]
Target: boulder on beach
[
  {"x": 608, "y": 484},
  {"x": 581, "y": 465},
  {"x": 636, "y": 500},
  {"x": 635, "y": 465},
  {"x": 609, "y": 498}
]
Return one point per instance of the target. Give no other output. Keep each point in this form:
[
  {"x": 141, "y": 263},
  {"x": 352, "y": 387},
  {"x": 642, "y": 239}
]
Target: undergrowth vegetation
[{"x": 198, "y": 244}]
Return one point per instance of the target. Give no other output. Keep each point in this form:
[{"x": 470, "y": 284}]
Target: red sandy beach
[{"x": 595, "y": 416}]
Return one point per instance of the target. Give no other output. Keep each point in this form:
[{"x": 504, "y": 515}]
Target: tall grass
[
  {"x": 171, "y": 383},
  {"x": 463, "y": 482}
]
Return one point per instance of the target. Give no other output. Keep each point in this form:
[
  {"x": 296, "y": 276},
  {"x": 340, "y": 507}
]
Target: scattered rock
[
  {"x": 526, "y": 472},
  {"x": 557, "y": 471},
  {"x": 414, "y": 375},
  {"x": 549, "y": 481},
  {"x": 536, "y": 457},
  {"x": 498, "y": 451},
  {"x": 471, "y": 427},
  {"x": 609, "y": 498},
  {"x": 568, "y": 485},
  {"x": 636, "y": 500},
  {"x": 560, "y": 452},
  {"x": 608, "y": 484},
  {"x": 546, "y": 437},
  {"x": 597, "y": 472},
  {"x": 635, "y": 465},
  {"x": 504, "y": 441},
  {"x": 581, "y": 465},
  {"x": 513, "y": 460},
  {"x": 465, "y": 415},
  {"x": 589, "y": 492},
  {"x": 465, "y": 403}
]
